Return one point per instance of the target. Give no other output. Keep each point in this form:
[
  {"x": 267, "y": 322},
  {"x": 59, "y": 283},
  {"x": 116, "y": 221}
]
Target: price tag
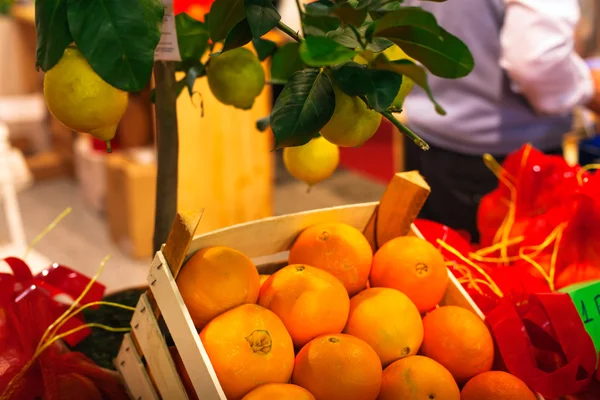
[
  {"x": 586, "y": 297},
  {"x": 168, "y": 47}
]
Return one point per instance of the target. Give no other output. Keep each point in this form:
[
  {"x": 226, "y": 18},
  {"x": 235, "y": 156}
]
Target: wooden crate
[{"x": 144, "y": 359}]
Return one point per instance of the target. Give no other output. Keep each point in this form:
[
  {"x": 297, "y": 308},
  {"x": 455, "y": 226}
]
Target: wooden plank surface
[
  {"x": 184, "y": 334},
  {"x": 277, "y": 234},
  {"x": 399, "y": 206},
  {"x": 132, "y": 369},
  {"x": 152, "y": 345}
]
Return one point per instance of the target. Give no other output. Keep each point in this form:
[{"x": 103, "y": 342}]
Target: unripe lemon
[
  {"x": 81, "y": 100},
  {"x": 236, "y": 77},
  {"x": 313, "y": 162},
  {"x": 352, "y": 122}
]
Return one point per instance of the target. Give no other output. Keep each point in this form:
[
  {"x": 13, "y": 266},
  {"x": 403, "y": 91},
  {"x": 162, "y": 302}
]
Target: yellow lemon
[
  {"x": 236, "y": 77},
  {"x": 81, "y": 100},
  {"x": 394, "y": 53},
  {"x": 352, "y": 123},
  {"x": 313, "y": 162}
]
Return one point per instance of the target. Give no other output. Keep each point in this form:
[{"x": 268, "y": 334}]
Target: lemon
[
  {"x": 313, "y": 162},
  {"x": 394, "y": 53},
  {"x": 81, "y": 100},
  {"x": 352, "y": 122},
  {"x": 236, "y": 77}
]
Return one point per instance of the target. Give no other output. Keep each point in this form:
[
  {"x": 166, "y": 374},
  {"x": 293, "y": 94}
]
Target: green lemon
[
  {"x": 352, "y": 123},
  {"x": 236, "y": 77},
  {"x": 81, "y": 100},
  {"x": 313, "y": 162}
]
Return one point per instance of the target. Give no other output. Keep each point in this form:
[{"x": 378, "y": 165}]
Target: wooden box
[{"x": 144, "y": 359}]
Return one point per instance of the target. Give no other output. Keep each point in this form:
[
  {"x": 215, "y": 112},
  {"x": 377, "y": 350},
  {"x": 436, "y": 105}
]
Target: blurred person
[{"x": 526, "y": 82}]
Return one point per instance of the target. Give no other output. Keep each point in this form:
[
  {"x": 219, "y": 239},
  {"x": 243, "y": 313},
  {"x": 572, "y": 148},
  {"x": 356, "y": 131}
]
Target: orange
[
  {"x": 496, "y": 385},
  {"x": 459, "y": 340},
  {"x": 279, "y": 391},
  {"x": 309, "y": 301},
  {"x": 414, "y": 267},
  {"x": 338, "y": 367},
  {"x": 337, "y": 248},
  {"x": 418, "y": 377},
  {"x": 263, "y": 278},
  {"x": 217, "y": 279},
  {"x": 248, "y": 347},
  {"x": 185, "y": 378},
  {"x": 388, "y": 321}
]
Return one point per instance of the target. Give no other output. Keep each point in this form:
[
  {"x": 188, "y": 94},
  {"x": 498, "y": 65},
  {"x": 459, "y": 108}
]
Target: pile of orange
[{"x": 340, "y": 322}]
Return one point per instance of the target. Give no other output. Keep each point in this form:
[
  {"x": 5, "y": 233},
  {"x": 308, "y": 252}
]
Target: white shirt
[{"x": 538, "y": 53}]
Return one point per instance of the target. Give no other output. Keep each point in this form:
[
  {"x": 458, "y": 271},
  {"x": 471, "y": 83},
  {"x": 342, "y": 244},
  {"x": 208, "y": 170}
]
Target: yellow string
[
  {"x": 502, "y": 234},
  {"x": 495, "y": 247},
  {"x": 554, "y": 237},
  {"x": 49, "y": 228},
  {"x": 584, "y": 169},
  {"x": 455, "y": 252},
  {"x": 53, "y": 327},
  {"x": 92, "y": 304}
]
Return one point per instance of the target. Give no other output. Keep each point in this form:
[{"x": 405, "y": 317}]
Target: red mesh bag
[
  {"x": 578, "y": 257},
  {"x": 27, "y": 310},
  {"x": 531, "y": 184}
]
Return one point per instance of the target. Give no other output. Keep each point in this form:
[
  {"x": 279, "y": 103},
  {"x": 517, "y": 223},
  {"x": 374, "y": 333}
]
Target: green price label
[{"x": 586, "y": 297}]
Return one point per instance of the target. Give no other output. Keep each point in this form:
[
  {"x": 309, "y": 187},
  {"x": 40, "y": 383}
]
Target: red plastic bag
[{"x": 545, "y": 344}]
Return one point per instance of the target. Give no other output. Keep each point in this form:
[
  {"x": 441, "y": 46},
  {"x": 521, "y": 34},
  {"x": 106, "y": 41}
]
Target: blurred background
[{"x": 225, "y": 166}]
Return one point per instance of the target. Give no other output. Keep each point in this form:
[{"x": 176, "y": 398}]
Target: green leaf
[
  {"x": 320, "y": 25},
  {"x": 304, "y": 106},
  {"x": 264, "y": 48},
  {"x": 319, "y": 8},
  {"x": 262, "y": 16},
  {"x": 52, "y": 30},
  {"x": 317, "y": 51},
  {"x": 238, "y": 36},
  {"x": 192, "y": 36},
  {"x": 407, "y": 16},
  {"x": 445, "y": 55},
  {"x": 413, "y": 71},
  {"x": 285, "y": 62},
  {"x": 263, "y": 123},
  {"x": 379, "y": 86},
  {"x": 350, "y": 15},
  {"x": 378, "y": 12},
  {"x": 117, "y": 38},
  {"x": 347, "y": 38},
  {"x": 224, "y": 15}
]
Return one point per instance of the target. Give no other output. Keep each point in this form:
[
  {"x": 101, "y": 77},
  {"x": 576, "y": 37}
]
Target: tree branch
[
  {"x": 405, "y": 130},
  {"x": 167, "y": 148}
]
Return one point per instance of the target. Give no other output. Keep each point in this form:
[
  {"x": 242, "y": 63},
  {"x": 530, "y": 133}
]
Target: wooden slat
[
  {"x": 399, "y": 206},
  {"x": 154, "y": 348},
  {"x": 276, "y": 234},
  {"x": 180, "y": 238},
  {"x": 178, "y": 319},
  {"x": 132, "y": 369}
]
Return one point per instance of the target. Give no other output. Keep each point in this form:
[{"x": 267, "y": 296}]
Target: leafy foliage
[{"x": 342, "y": 42}]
